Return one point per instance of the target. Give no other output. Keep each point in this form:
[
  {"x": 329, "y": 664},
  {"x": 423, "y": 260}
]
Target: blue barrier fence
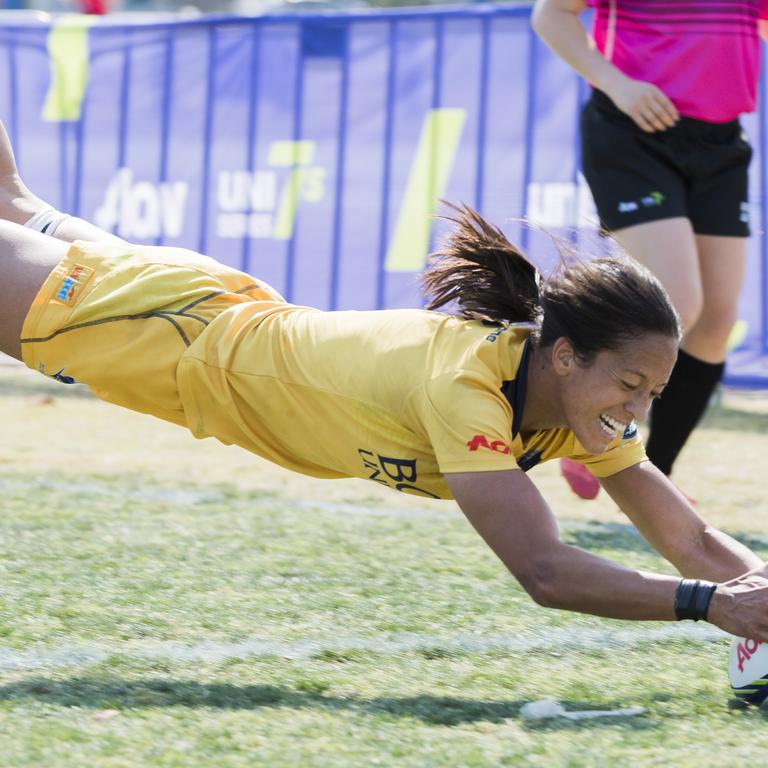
[{"x": 313, "y": 150}]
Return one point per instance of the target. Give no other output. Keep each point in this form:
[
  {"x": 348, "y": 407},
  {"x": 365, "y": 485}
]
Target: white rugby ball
[{"x": 748, "y": 669}]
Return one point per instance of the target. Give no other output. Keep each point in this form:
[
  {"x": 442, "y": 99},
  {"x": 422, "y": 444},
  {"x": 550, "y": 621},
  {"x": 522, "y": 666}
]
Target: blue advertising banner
[{"x": 313, "y": 150}]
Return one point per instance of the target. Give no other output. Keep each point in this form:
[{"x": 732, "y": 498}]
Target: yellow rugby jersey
[{"x": 399, "y": 397}]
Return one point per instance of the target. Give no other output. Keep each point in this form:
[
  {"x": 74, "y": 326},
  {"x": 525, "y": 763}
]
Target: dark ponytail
[
  {"x": 480, "y": 271},
  {"x": 597, "y": 304}
]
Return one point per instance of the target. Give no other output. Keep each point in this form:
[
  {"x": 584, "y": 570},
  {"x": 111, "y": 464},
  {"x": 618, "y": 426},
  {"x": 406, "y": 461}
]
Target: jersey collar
[{"x": 515, "y": 389}]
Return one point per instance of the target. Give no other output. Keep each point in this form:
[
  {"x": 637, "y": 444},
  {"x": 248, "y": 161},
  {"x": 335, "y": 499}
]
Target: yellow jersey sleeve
[{"x": 468, "y": 425}]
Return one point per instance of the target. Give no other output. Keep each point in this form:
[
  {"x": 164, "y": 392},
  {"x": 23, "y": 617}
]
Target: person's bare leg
[
  {"x": 703, "y": 275},
  {"x": 669, "y": 249},
  {"x": 722, "y": 261},
  {"x": 26, "y": 260}
]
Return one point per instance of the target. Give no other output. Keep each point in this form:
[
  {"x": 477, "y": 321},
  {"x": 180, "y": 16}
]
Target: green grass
[{"x": 167, "y": 603}]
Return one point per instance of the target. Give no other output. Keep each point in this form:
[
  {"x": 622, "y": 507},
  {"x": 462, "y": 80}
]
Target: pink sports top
[{"x": 704, "y": 54}]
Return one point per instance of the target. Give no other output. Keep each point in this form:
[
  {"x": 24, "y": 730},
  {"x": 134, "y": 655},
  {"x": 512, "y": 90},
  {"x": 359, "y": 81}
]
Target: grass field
[{"x": 171, "y": 603}]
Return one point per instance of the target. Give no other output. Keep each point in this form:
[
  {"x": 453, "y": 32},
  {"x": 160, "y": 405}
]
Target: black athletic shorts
[{"x": 695, "y": 169}]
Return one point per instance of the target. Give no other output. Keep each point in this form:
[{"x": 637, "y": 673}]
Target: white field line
[{"x": 560, "y": 641}]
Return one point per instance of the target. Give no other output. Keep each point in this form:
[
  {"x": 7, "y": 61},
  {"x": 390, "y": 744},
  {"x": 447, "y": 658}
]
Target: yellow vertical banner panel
[
  {"x": 69, "y": 57},
  {"x": 296, "y": 155},
  {"x": 431, "y": 168}
]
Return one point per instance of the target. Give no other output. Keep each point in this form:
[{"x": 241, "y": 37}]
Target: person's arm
[
  {"x": 762, "y": 29},
  {"x": 18, "y": 204},
  {"x": 510, "y": 514},
  {"x": 671, "y": 525},
  {"x": 557, "y": 23}
]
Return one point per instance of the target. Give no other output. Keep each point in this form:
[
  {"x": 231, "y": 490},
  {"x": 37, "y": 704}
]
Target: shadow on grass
[
  {"x": 755, "y": 541},
  {"x": 114, "y": 693},
  {"x": 594, "y": 534}
]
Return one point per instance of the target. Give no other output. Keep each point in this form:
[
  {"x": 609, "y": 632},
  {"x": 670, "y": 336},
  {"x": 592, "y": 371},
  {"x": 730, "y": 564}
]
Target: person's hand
[
  {"x": 740, "y": 606},
  {"x": 647, "y": 105},
  {"x": 761, "y": 570}
]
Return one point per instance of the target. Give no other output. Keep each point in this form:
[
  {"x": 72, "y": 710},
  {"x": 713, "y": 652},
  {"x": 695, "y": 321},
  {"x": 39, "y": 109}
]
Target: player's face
[{"x": 601, "y": 398}]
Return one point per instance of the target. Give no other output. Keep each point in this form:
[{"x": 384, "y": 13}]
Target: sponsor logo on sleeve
[{"x": 481, "y": 441}]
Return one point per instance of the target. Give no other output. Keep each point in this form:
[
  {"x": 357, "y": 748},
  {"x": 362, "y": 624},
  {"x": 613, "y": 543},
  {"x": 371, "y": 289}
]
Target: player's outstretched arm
[
  {"x": 18, "y": 204},
  {"x": 509, "y": 513},
  {"x": 671, "y": 525}
]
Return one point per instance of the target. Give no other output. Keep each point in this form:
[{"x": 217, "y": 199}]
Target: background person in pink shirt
[{"x": 665, "y": 157}]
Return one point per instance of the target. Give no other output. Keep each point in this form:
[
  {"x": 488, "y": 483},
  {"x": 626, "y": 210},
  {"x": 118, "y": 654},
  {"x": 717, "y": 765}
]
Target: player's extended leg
[
  {"x": 26, "y": 260},
  {"x": 101, "y": 312},
  {"x": 668, "y": 248},
  {"x": 701, "y": 361},
  {"x": 722, "y": 262},
  {"x": 703, "y": 275}
]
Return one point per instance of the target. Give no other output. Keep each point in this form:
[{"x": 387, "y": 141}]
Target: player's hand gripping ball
[{"x": 748, "y": 669}]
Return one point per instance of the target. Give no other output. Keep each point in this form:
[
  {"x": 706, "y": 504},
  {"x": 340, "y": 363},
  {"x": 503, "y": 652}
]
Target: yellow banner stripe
[{"x": 69, "y": 57}]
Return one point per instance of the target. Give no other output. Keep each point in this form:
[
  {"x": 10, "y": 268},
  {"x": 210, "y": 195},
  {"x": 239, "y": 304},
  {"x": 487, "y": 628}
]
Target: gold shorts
[{"x": 119, "y": 318}]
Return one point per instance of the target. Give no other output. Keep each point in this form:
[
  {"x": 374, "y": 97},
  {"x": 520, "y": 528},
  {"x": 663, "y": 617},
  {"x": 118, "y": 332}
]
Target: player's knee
[
  {"x": 690, "y": 309},
  {"x": 716, "y": 324}
]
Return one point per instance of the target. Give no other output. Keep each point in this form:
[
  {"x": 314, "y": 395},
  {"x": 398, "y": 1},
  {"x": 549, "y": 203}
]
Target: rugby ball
[{"x": 748, "y": 669}]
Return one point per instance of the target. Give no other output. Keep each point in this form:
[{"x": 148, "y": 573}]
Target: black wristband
[{"x": 692, "y": 599}]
